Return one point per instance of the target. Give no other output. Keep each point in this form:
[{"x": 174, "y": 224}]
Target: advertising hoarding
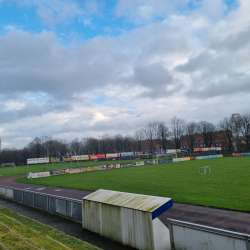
[
  {"x": 165, "y": 161},
  {"x": 56, "y": 172},
  {"x": 178, "y": 150},
  {"x": 97, "y": 156},
  {"x": 218, "y": 148},
  {"x": 171, "y": 151},
  {"x": 112, "y": 155},
  {"x": 127, "y": 154},
  {"x": 205, "y": 149},
  {"x": 79, "y": 157},
  {"x": 149, "y": 162},
  {"x": 74, "y": 170},
  {"x": 37, "y": 160},
  {"x": 57, "y": 159},
  {"x": 238, "y": 154},
  {"x": 219, "y": 156},
  {"x": 199, "y": 157},
  {"x": 38, "y": 175},
  {"x": 181, "y": 159},
  {"x": 246, "y": 154},
  {"x": 212, "y": 149},
  {"x": 102, "y": 167},
  {"x": 197, "y": 149},
  {"x": 111, "y": 166},
  {"x": 140, "y": 163},
  {"x": 185, "y": 150},
  {"x": 66, "y": 158}
]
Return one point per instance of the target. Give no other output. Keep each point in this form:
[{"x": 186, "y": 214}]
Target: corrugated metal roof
[{"x": 128, "y": 200}]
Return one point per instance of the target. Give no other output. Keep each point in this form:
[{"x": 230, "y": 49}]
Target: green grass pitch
[{"x": 226, "y": 187}]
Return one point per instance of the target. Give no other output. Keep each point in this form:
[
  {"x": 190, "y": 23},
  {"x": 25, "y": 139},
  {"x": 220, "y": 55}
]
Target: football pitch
[{"x": 226, "y": 187}]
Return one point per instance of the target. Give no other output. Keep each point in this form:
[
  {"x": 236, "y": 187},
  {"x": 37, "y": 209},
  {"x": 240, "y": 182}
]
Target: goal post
[{"x": 164, "y": 158}]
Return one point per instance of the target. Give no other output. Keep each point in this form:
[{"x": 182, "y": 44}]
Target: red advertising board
[
  {"x": 238, "y": 154},
  {"x": 197, "y": 149},
  {"x": 97, "y": 156}
]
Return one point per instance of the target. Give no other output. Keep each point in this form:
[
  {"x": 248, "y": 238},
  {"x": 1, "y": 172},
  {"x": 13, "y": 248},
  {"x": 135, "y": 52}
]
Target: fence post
[{"x": 170, "y": 228}]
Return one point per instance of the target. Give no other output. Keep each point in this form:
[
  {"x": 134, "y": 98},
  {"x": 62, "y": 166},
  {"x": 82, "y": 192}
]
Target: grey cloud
[{"x": 231, "y": 41}]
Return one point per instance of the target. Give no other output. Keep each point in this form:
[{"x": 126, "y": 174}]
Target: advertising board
[
  {"x": 171, "y": 151},
  {"x": 212, "y": 148},
  {"x": 206, "y": 157},
  {"x": 165, "y": 161},
  {"x": 199, "y": 157},
  {"x": 218, "y": 148},
  {"x": 112, "y": 155},
  {"x": 149, "y": 162},
  {"x": 85, "y": 169},
  {"x": 185, "y": 150},
  {"x": 178, "y": 150},
  {"x": 246, "y": 154},
  {"x": 238, "y": 154},
  {"x": 97, "y": 156},
  {"x": 38, "y": 175},
  {"x": 111, "y": 166},
  {"x": 102, "y": 167},
  {"x": 181, "y": 159},
  {"x": 66, "y": 158},
  {"x": 56, "y": 159},
  {"x": 127, "y": 154},
  {"x": 213, "y": 156},
  {"x": 37, "y": 160},
  {"x": 74, "y": 170},
  {"x": 79, "y": 157},
  {"x": 197, "y": 149},
  {"x": 219, "y": 156},
  {"x": 56, "y": 172},
  {"x": 205, "y": 149},
  {"x": 140, "y": 163}
]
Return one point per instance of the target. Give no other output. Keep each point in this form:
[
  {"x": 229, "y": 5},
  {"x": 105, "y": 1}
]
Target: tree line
[{"x": 155, "y": 135}]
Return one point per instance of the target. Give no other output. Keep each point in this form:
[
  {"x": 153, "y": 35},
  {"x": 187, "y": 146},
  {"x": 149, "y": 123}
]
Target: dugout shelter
[{"x": 130, "y": 219}]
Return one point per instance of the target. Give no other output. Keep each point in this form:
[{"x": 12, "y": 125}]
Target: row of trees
[{"x": 156, "y": 135}]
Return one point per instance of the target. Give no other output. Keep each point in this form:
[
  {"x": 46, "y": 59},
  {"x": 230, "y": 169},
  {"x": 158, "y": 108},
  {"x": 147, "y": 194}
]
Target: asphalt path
[{"x": 218, "y": 218}]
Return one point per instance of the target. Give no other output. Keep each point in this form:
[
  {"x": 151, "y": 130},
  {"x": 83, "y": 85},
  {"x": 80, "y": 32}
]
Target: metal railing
[{"x": 61, "y": 205}]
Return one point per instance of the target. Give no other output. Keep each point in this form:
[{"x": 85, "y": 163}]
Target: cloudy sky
[{"x": 76, "y": 68}]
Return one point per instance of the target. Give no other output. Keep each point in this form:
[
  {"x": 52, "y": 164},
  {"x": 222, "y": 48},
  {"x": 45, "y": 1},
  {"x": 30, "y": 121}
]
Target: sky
[{"x": 72, "y": 69}]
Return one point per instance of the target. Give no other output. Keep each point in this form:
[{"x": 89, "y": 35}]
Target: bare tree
[
  {"x": 207, "y": 130},
  {"x": 245, "y": 128},
  {"x": 162, "y": 133},
  {"x": 192, "y": 130},
  {"x": 226, "y": 127},
  {"x": 177, "y": 129},
  {"x": 139, "y": 136}
]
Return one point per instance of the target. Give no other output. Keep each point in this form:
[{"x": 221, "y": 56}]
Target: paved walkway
[{"x": 219, "y": 218}]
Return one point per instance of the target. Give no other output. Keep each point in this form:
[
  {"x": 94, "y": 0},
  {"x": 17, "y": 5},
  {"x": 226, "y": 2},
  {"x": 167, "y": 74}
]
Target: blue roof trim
[{"x": 160, "y": 210}]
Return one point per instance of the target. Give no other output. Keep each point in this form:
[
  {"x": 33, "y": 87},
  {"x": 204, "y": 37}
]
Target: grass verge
[{"x": 41, "y": 235}]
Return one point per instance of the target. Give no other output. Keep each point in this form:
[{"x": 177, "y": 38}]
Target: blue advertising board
[
  {"x": 185, "y": 150},
  {"x": 56, "y": 172},
  {"x": 213, "y": 156},
  {"x": 246, "y": 154},
  {"x": 127, "y": 154},
  {"x": 165, "y": 161},
  {"x": 206, "y": 157}
]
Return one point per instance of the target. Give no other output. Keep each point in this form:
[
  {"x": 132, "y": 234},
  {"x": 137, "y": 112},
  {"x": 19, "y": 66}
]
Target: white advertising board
[
  {"x": 112, "y": 155},
  {"x": 171, "y": 151},
  {"x": 79, "y": 157},
  {"x": 37, "y": 160},
  {"x": 140, "y": 163},
  {"x": 38, "y": 175}
]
